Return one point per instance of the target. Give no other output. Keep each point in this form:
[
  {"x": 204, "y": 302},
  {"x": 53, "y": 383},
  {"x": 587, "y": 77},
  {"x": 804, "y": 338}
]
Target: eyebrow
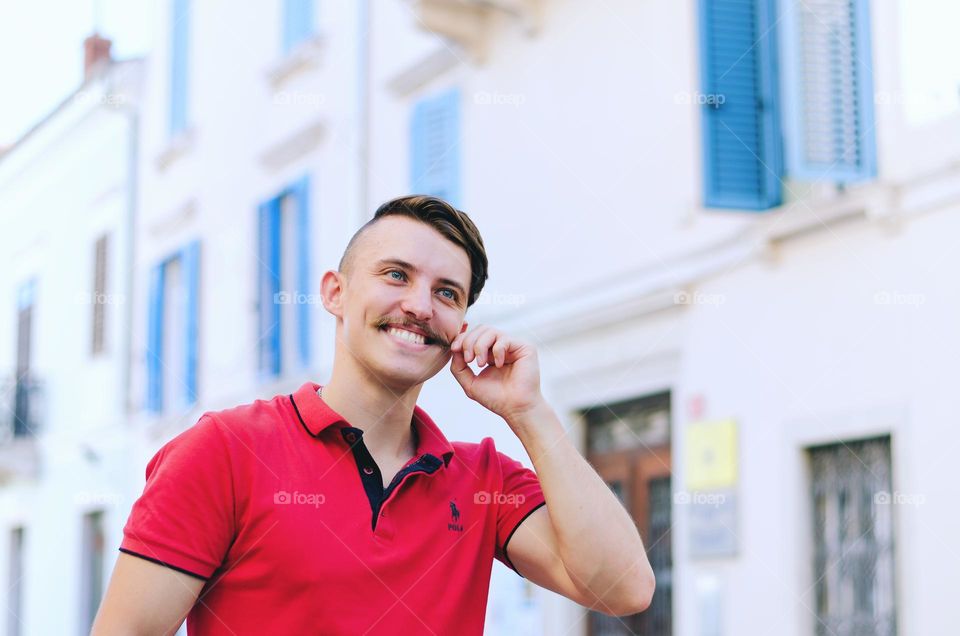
[{"x": 413, "y": 268}]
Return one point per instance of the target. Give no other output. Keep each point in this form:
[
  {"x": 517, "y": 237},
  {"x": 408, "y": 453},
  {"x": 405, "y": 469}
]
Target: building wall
[
  {"x": 62, "y": 187},
  {"x": 824, "y": 319}
]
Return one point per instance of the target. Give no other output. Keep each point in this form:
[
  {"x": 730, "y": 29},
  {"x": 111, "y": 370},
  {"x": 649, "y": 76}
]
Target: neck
[{"x": 384, "y": 415}]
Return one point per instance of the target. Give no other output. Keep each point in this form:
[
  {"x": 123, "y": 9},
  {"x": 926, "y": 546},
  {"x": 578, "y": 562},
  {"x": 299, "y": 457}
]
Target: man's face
[{"x": 404, "y": 301}]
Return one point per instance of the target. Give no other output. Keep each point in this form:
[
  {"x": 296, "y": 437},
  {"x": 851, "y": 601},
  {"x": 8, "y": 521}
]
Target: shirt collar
[{"x": 316, "y": 415}]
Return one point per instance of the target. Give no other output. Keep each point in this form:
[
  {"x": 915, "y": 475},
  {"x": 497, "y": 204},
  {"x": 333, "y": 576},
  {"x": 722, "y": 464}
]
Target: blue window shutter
[
  {"x": 435, "y": 146},
  {"x": 269, "y": 287},
  {"x": 154, "y": 360},
  {"x": 297, "y": 22},
  {"x": 418, "y": 156},
  {"x": 742, "y": 155},
  {"x": 179, "y": 35},
  {"x": 25, "y": 294},
  {"x": 301, "y": 194},
  {"x": 190, "y": 256},
  {"x": 828, "y": 90}
]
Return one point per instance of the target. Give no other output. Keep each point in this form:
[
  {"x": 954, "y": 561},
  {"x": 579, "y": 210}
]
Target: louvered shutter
[
  {"x": 435, "y": 147},
  {"x": 742, "y": 156},
  {"x": 829, "y": 90}
]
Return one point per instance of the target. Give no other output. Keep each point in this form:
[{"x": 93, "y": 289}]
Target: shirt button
[
  {"x": 367, "y": 470},
  {"x": 351, "y": 437}
]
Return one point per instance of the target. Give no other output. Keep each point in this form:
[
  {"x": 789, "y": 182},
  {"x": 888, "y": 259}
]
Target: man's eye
[
  {"x": 453, "y": 294},
  {"x": 396, "y": 271}
]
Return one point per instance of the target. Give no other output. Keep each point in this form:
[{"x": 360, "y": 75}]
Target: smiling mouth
[{"x": 408, "y": 336}]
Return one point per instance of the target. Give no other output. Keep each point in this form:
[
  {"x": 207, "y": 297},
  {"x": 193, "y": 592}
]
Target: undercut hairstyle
[{"x": 451, "y": 223}]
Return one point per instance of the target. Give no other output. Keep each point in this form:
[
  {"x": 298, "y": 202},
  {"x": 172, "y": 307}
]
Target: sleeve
[
  {"x": 519, "y": 497},
  {"x": 185, "y": 518}
]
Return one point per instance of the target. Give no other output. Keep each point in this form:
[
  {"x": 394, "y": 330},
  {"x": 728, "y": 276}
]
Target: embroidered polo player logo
[{"x": 454, "y": 525}]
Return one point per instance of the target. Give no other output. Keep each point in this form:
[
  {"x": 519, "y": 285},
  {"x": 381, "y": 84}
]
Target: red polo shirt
[{"x": 280, "y": 508}]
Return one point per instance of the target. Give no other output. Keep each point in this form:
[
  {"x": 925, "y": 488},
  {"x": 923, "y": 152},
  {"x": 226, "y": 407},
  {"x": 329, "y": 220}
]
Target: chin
[{"x": 404, "y": 374}]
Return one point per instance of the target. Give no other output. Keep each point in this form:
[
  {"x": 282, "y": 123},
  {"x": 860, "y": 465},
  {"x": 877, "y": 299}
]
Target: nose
[{"x": 417, "y": 303}]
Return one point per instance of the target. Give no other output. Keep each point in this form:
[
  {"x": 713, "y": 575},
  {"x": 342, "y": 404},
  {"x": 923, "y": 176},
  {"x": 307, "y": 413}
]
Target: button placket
[{"x": 370, "y": 475}]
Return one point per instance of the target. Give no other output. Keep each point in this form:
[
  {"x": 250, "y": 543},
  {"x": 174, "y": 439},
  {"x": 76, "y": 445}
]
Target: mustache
[{"x": 433, "y": 336}]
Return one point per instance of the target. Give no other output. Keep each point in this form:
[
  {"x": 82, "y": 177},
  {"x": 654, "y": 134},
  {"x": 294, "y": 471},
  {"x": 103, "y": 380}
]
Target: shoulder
[
  {"x": 484, "y": 456},
  {"x": 252, "y": 421},
  {"x": 231, "y": 430},
  {"x": 473, "y": 453}
]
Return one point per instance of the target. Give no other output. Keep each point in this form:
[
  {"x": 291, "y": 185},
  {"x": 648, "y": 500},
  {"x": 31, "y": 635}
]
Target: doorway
[{"x": 628, "y": 444}]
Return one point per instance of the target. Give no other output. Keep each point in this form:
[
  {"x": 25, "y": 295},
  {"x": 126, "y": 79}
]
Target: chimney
[{"x": 96, "y": 55}]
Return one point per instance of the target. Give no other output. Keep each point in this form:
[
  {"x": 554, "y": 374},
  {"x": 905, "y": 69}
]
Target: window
[
  {"x": 179, "y": 80},
  {"x": 25, "y": 403},
  {"x": 853, "y": 539},
  {"x": 15, "y": 582},
  {"x": 284, "y": 281},
  {"x": 99, "y": 294},
  {"x": 297, "y": 22},
  {"x": 92, "y": 568},
  {"x": 435, "y": 146},
  {"x": 828, "y": 85},
  {"x": 808, "y": 103},
  {"x": 172, "y": 330}
]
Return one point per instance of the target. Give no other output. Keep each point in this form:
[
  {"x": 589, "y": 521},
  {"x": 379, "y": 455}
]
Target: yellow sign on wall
[{"x": 712, "y": 461}]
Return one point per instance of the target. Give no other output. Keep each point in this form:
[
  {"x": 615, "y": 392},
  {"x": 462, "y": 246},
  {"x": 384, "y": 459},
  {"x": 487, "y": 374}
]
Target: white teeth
[{"x": 409, "y": 336}]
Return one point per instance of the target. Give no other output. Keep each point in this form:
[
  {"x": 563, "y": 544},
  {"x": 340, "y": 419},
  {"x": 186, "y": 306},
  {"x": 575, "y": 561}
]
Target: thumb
[{"x": 461, "y": 370}]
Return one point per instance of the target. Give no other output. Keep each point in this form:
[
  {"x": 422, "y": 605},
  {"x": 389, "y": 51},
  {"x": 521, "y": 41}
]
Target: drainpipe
[
  {"x": 133, "y": 148},
  {"x": 131, "y": 114},
  {"x": 363, "y": 110}
]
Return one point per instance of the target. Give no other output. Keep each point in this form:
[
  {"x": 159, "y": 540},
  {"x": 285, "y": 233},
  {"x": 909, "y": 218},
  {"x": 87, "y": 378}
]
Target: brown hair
[{"x": 450, "y": 222}]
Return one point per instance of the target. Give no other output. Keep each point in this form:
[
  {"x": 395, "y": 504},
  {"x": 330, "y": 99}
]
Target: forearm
[{"x": 597, "y": 540}]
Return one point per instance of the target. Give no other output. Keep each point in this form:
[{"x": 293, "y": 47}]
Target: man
[{"x": 343, "y": 509}]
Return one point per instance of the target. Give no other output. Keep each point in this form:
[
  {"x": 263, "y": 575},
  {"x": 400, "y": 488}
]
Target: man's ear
[{"x": 331, "y": 292}]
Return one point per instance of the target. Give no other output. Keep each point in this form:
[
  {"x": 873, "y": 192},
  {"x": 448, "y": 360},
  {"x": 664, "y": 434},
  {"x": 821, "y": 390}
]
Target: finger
[
  {"x": 499, "y": 351},
  {"x": 461, "y": 370},
  {"x": 483, "y": 345},
  {"x": 470, "y": 340},
  {"x": 514, "y": 350},
  {"x": 457, "y": 343}
]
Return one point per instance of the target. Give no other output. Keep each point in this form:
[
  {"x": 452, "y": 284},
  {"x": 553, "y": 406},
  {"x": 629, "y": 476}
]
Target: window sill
[
  {"x": 812, "y": 207},
  {"x": 467, "y": 22},
  {"x": 181, "y": 144},
  {"x": 303, "y": 57},
  {"x": 427, "y": 68}
]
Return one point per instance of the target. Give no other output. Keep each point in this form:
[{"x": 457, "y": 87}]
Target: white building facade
[
  {"x": 725, "y": 224},
  {"x": 67, "y": 200}
]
